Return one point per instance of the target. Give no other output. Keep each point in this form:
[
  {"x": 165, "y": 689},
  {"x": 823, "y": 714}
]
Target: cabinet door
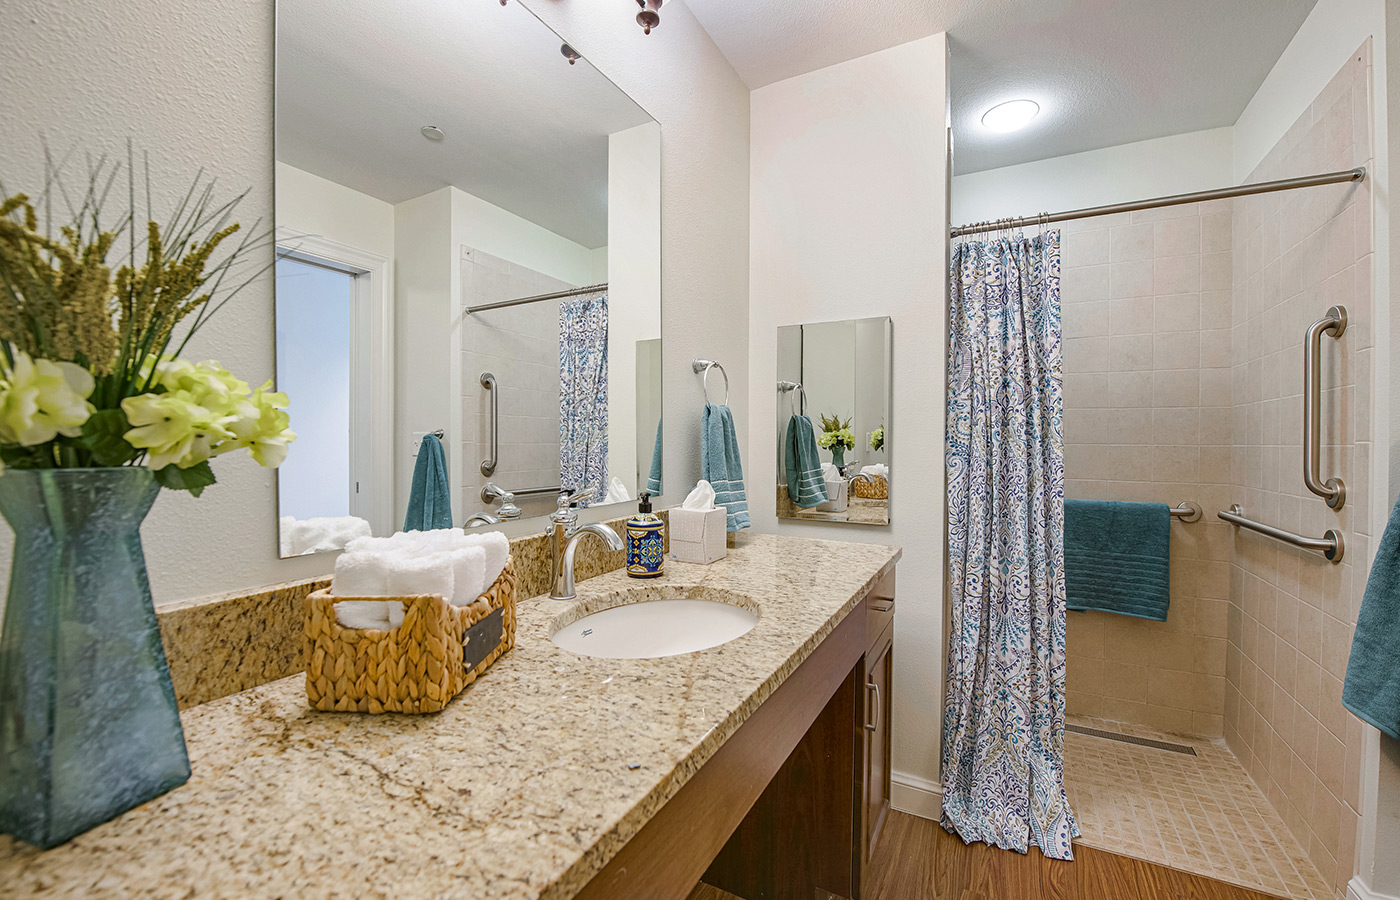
[{"x": 879, "y": 683}]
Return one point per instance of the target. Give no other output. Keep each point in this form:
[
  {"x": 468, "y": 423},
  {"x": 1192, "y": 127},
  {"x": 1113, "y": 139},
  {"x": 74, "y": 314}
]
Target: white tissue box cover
[{"x": 711, "y": 545}]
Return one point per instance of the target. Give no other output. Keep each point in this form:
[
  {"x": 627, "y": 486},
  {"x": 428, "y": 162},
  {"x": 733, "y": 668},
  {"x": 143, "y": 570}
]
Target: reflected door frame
[{"x": 371, "y": 367}]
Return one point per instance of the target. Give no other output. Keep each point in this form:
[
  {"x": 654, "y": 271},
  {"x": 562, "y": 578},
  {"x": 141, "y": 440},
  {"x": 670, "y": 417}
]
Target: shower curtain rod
[
  {"x": 1243, "y": 190},
  {"x": 557, "y": 295}
]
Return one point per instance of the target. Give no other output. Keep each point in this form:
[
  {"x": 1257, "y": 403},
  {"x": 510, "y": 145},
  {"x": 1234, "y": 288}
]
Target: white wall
[
  {"x": 1175, "y": 164},
  {"x": 1329, "y": 35},
  {"x": 209, "y": 104},
  {"x": 311, "y": 205},
  {"x": 849, "y": 219},
  {"x": 634, "y": 285}
]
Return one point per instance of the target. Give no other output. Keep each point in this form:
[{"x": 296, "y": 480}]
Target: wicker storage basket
[
  {"x": 878, "y": 490},
  {"x": 417, "y": 667}
]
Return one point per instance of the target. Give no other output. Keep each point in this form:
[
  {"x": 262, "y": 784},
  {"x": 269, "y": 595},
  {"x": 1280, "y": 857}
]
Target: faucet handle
[{"x": 569, "y": 497}]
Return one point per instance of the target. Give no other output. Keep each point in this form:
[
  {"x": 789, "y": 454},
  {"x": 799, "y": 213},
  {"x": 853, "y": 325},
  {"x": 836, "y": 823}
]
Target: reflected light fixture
[
  {"x": 432, "y": 132},
  {"x": 650, "y": 16},
  {"x": 1013, "y": 115}
]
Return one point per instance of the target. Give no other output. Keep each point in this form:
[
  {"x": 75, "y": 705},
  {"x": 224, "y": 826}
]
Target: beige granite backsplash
[{"x": 225, "y": 644}]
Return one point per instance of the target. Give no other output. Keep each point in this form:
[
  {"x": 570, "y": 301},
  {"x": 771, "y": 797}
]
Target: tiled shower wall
[
  {"x": 1292, "y": 613},
  {"x": 1146, "y": 305},
  {"x": 520, "y": 346}
]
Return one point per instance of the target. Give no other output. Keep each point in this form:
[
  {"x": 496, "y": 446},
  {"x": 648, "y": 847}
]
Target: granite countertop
[{"x": 524, "y": 787}]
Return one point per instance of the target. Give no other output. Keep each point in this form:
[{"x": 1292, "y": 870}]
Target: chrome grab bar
[
  {"x": 1190, "y": 511},
  {"x": 488, "y": 465},
  {"x": 1332, "y": 490},
  {"x": 1329, "y": 545}
]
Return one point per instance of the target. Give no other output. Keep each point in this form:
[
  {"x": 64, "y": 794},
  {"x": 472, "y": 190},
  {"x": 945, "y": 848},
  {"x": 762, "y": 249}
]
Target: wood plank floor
[{"x": 918, "y": 860}]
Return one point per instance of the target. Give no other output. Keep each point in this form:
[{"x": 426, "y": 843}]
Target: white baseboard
[
  {"x": 1360, "y": 890},
  {"x": 918, "y": 796}
]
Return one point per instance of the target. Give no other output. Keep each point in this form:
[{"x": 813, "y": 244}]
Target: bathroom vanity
[{"x": 556, "y": 774}]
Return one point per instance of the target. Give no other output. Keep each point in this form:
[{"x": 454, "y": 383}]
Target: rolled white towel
[
  {"x": 419, "y": 575},
  {"x": 879, "y": 469},
  {"x": 365, "y": 614},
  {"x": 360, "y": 574},
  {"x": 468, "y": 574},
  {"x": 369, "y": 545},
  {"x": 396, "y": 612},
  {"x": 497, "y": 549}
]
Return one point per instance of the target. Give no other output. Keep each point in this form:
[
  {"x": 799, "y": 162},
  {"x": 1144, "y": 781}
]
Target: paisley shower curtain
[
  {"x": 583, "y": 394},
  {"x": 1003, "y": 729}
]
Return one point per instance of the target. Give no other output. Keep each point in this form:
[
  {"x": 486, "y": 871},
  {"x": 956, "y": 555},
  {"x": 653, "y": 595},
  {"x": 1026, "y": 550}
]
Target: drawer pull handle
[
  {"x": 872, "y": 686},
  {"x": 882, "y": 606}
]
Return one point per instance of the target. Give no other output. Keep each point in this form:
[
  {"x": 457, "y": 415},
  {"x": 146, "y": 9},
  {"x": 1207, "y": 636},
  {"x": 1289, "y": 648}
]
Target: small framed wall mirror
[
  {"x": 833, "y": 428},
  {"x": 468, "y": 271}
]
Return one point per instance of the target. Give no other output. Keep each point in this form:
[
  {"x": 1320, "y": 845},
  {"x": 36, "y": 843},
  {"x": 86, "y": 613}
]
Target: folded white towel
[
  {"x": 878, "y": 469},
  {"x": 468, "y": 574},
  {"x": 497, "y": 549},
  {"x": 365, "y": 614},
  {"x": 360, "y": 575},
  {"x": 419, "y": 575}
]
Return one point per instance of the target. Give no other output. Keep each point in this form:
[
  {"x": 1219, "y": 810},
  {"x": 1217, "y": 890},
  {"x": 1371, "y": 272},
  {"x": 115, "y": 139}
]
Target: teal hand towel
[
  {"x": 654, "y": 479},
  {"x": 429, "y": 500},
  {"x": 1372, "y": 688},
  {"x": 720, "y": 465},
  {"x": 1117, "y": 557},
  {"x": 806, "y": 484}
]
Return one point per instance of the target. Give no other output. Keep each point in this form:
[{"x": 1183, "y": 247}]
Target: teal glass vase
[
  {"x": 838, "y": 455},
  {"x": 89, "y": 726}
]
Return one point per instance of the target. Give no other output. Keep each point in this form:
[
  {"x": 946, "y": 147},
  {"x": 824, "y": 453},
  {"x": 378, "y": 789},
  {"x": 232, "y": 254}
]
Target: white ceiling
[
  {"x": 1105, "y": 72},
  {"x": 356, "y": 81}
]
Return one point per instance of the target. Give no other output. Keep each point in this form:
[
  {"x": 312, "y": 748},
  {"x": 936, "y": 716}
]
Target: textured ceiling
[
  {"x": 525, "y": 130},
  {"x": 1105, "y": 72}
]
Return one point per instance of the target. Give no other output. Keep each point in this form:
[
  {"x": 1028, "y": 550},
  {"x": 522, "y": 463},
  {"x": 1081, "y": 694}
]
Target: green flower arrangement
[
  {"x": 877, "y": 438},
  {"x": 91, "y": 372},
  {"x": 836, "y": 433}
]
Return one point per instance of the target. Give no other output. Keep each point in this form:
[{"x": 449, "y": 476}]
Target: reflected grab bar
[
  {"x": 488, "y": 465},
  {"x": 1333, "y": 490},
  {"x": 1329, "y": 545}
]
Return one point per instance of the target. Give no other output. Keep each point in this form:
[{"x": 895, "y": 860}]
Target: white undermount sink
[{"x": 661, "y": 620}]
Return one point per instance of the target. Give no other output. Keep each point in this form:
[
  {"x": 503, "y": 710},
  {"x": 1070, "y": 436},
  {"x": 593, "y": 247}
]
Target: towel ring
[
  {"x": 793, "y": 388},
  {"x": 705, "y": 365}
]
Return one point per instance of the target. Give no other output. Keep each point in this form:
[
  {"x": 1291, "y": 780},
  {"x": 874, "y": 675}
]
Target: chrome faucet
[
  {"x": 564, "y": 586},
  {"x": 563, "y": 533}
]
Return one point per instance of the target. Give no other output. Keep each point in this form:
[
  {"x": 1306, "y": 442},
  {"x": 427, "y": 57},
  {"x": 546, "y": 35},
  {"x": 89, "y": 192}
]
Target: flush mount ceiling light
[
  {"x": 432, "y": 132},
  {"x": 1012, "y": 115}
]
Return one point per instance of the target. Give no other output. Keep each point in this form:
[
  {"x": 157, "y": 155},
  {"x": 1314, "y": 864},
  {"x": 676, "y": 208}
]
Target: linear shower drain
[{"x": 1130, "y": 739}]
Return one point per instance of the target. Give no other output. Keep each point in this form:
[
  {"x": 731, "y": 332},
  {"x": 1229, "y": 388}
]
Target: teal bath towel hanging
[
  {"x": 1372, "y": 688},
  {"x": 805, "y": 481},
  {"x": 720, "y": 465},
  {"x": 430, "y": 499},
  {"x": 1118, "y": 557}
]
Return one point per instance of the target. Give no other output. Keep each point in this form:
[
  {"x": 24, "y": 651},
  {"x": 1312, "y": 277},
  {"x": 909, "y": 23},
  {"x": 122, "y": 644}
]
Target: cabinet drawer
[{"x": 879, "y": 609}]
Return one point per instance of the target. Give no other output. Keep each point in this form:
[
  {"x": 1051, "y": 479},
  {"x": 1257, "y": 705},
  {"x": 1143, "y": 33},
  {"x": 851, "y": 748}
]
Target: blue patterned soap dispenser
[{"x": 646, "y": 536}]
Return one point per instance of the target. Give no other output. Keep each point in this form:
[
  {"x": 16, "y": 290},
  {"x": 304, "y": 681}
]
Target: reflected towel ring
[
  {"x": 794, "y": 388},
  {"x": 705, "y": 365}
]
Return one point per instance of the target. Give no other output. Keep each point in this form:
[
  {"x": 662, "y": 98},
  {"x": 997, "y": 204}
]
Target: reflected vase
[{"x": 89, "y": 726}]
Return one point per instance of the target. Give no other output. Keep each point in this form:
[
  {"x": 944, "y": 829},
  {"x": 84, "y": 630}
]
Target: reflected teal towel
[
  {"x": 806, "y": 484},
  {"x": 1372, "y": 689},
  {"x": 430, "y": 500},
  {"x": 720, "y": 465},
  {"x": 654, "y": 479},
  {"x": 1117, "y": 557}
]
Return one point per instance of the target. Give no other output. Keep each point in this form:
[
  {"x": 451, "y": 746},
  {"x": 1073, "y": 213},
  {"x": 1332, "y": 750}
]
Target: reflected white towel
[
  {"x": 319, "y": 533},
  {"x": 617, "y": 491},
  {"x": 878, "y": 469}
]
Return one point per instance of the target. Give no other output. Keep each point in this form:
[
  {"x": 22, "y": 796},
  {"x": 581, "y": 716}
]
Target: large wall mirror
[
  {"x": 468, "y": 225},
  {"x": 833, "y": 428}
]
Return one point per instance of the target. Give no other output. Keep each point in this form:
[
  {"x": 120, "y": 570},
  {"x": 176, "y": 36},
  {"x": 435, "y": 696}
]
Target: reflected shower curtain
[
  {"x": 1003, "y": 729},
  {"x": 583, "y": 395}
]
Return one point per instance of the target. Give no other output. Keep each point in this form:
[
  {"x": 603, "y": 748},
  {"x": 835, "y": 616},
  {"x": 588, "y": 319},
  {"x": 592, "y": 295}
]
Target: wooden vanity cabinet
[
  {"x": 792, "y": 805},
  {"x": 877, "y": 688}
]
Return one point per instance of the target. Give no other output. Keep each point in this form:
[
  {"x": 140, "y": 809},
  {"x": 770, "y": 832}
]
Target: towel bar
[
  {"x": 1329, "y": 545},
  {"x": 1190, "y": 511}
]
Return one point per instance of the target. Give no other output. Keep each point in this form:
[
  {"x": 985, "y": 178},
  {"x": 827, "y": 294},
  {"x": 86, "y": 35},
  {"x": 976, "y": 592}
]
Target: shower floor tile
[{"x": 1198, "y": 813}]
